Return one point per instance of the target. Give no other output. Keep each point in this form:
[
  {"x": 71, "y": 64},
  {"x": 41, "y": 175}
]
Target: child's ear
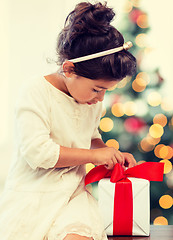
[{"x": 68, "y": 68}]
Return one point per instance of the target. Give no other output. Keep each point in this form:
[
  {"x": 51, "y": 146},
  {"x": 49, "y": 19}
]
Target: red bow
[{"x": 152, "y": 171}]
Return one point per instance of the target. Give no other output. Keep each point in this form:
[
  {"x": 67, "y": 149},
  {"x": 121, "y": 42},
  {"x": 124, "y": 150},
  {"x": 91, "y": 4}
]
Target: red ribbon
[{"x": 123, "y": 198}]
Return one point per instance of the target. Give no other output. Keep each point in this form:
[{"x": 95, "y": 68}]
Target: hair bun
[
  {"x": 89, "y": 18},
  {"x": 103, "y": 14}
]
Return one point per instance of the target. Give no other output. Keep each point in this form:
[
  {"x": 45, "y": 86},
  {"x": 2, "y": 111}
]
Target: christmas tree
[{"x": 138, "y": 119}]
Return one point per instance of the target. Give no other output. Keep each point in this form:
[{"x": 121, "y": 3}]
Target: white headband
[{"x": 125, "y": 46}]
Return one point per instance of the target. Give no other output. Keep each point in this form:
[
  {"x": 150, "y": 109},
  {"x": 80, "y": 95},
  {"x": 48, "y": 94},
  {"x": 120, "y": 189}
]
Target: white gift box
[{"x": 141, "y": 205}]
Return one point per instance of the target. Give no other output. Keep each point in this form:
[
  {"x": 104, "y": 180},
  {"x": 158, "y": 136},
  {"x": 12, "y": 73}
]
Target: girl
[{"x": 57, "y": 118}]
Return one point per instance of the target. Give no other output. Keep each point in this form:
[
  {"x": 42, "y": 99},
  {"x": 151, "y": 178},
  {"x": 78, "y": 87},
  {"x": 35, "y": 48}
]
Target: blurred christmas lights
[
  {"x": 157, "y": 150},
  {"x": 117, "y": 109},
  {"x": 127, "y": 7},
  {"x": 156, "y": 130},
  {"x": 160, "y": 221},
  {"x": 134, "y": 125},
  {"x": 166, "y": 152},
  {"x": 89, "y": 166},
  {"x": 145, "y": 146},
  {"x": 139, "y": 84},
  {"x": 167, "y": 165},
  {"x": 154, "y": 99},
  {"x": 166, "y": 201},
  {"x": 167, "y": 104},
  {"x": 106, "y": 124},
  {"x": 113, "y": 143},
  {"x": 141, "y": 40},
  {"x": 160, "y": 119},
  {"x": 130, "y": 108},
  {"x": 151, "y": 135},
  {"x": 142, "y": 21}
]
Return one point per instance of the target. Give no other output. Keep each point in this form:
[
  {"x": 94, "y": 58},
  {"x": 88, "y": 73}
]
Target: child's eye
[{"x": 94, "y": 90}]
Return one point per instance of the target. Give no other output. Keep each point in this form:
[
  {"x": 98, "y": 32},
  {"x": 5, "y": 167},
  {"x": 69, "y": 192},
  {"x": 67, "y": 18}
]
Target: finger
[
  {"x": 119, "y": 157},
  {"x": 109, "y": 165},
  {"x": 129, "y": 160},
  {"x": 114, "y": 160}
]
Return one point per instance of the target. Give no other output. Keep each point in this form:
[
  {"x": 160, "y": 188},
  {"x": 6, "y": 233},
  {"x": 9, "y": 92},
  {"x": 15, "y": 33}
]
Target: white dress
[{"x": 38, "y": 201}]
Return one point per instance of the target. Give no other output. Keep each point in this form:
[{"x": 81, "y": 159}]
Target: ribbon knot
[
  {"x": 151, "y": 171},
  {"x": 118, "y": 174}
]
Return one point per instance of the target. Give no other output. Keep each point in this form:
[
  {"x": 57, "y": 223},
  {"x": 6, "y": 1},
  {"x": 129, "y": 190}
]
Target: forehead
[
  {"x": 104, "y": 84},
  {"x": 99, "y": 83}
]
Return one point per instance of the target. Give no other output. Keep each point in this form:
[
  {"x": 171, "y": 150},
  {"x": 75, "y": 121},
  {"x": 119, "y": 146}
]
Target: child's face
[{"x": 85, "y": 90}]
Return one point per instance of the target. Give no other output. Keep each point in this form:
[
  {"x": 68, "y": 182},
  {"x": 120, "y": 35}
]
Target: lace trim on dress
[{"x": 77, "y": 228}]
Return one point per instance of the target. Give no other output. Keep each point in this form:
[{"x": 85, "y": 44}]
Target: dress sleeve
[
  {"x": 96, "y": 133},
  {"x": 33, "y": 129}
]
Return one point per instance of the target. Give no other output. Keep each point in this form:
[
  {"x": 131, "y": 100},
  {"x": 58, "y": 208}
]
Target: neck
[{"x": 58, "y": 81}]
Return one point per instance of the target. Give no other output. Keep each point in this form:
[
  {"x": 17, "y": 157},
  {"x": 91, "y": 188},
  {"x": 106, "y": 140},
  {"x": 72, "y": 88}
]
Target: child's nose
[{"x": 101, "y": 95}]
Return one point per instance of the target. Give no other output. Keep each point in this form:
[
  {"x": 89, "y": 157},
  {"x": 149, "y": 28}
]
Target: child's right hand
[{"x": 107, "y": 156}]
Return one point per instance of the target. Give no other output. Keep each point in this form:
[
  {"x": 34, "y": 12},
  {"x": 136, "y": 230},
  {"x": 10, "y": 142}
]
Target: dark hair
[{"x": 87, "y": 30}]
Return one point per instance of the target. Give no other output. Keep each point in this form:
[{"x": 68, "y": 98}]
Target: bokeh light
[
  {"x": 89, "y": 166},
  {"x": 139, "y": 84},
  {"x": 122, "y": 83},
  {"x": 112, "y": 88},
  {"x": 106, "y": 124},
  {"x": 141, "y": 40},
  {"x": 167, "y": 105},
  {"x": 134, "y": 125},
  {"x": 166, "y": 201},
  {"x": 117, "y": 109},
  {"x": 113, "y": 143},
  {"x": 160, "y": 119},
  {"x": 127, "y": 7},
  {"x": 157, "y": 150},
  {"x": 166, "y": 152},
  {"x": 160, "y": 221},
  {"x": 156, "y": 130},
  {"x": 167, "y": 165},
  {"x": 145, "y": 145},
  {"x": 144, "y": 75},
  {"x": 154, "y": 99},
  {"x": 151, "y": 140},
  {"x": 130, "y": 108},
  {"x": 142, "y": 21}
]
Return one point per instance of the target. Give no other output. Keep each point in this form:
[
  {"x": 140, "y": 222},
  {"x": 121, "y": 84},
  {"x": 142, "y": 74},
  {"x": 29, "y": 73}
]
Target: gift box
[
  {"x": 124, "y": 196},
  {"x": 140, "y": 207}
]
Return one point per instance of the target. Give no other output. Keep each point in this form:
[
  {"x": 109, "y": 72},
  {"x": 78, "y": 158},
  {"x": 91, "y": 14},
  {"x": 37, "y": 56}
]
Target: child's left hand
[{"x": 129, "y": 160}]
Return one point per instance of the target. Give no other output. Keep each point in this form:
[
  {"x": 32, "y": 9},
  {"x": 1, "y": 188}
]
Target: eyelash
[{"x": 94, "y": 90}]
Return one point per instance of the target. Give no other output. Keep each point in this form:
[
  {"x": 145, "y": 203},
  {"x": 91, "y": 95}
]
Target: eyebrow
[{"x": 100, "y": 87}]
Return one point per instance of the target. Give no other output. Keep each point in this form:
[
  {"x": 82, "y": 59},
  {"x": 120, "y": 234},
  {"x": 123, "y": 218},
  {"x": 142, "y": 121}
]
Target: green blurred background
[{"x": 138, "y": 119}]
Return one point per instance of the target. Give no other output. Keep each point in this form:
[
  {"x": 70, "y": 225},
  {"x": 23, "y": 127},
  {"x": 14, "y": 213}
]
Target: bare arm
[
  {"x": 97, "y": 143},
  {"x": 100, "y": 154},
  {"x": 73, "y": 157}
]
